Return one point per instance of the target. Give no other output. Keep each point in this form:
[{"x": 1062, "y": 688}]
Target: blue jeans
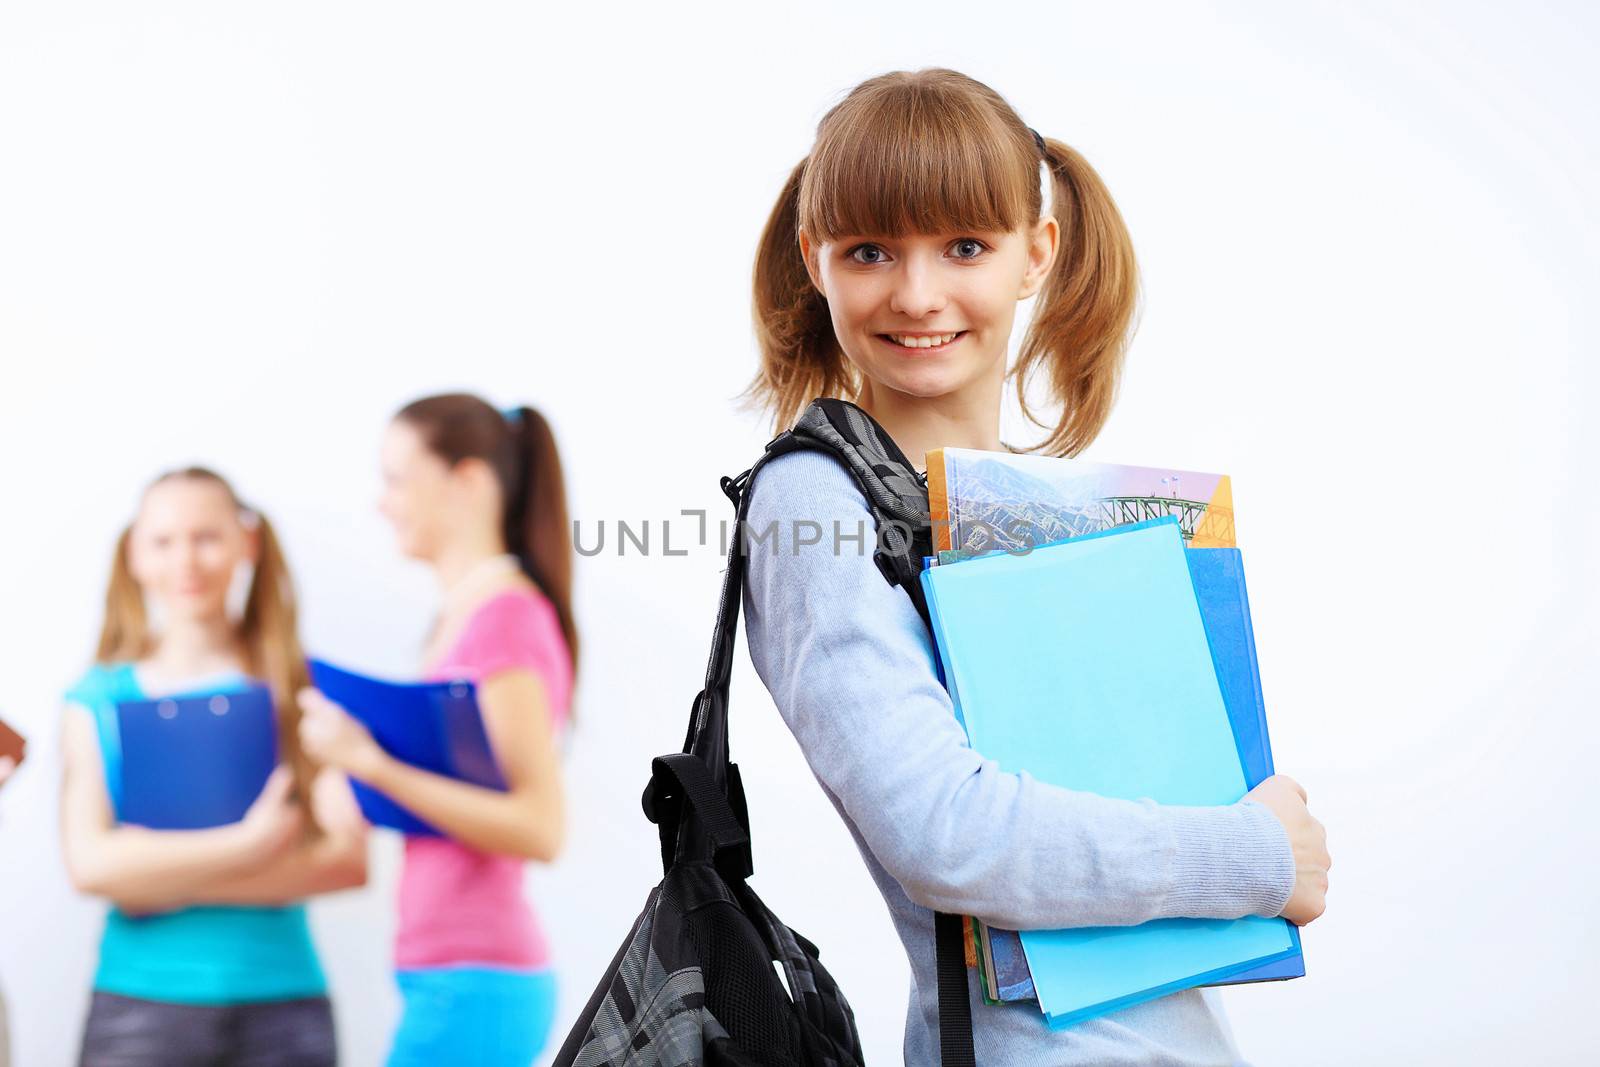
[{"x": 484, "y": 1016}]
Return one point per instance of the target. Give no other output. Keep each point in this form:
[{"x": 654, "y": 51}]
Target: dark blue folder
[
  {"x": 1218, "y": 577},
  {"x": 432, "y": 725},
  {"x": 194, "y": 762}
]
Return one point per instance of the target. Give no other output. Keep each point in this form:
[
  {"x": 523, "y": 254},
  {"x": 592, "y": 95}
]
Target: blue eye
[
  {"x": 968, "y": 248},
  {"x": 867, "y": 254}
]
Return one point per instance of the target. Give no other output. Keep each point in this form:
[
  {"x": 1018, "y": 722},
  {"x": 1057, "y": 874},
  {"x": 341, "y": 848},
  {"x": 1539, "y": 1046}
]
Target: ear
[
  {"x": 252, "y": 542},
  {"x": 810, "y": 252},
  {"x": 1043, "y": 244},
  {"x": 133, "y": 556},
  {"x": 475, "y": 475}
]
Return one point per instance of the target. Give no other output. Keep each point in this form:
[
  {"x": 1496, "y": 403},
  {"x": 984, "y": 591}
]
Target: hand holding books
[
  {"x": 274, "y": 822},
  {"x": 1284, "y": 797}
]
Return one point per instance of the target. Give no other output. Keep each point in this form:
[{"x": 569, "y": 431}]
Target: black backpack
[{"x": 694, "y": 983}]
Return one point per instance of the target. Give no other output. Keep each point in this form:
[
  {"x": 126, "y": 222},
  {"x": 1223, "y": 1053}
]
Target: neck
[
  {"x": 460, "y": 560},
  {"x": 198, "y": 646},
  {"x": 967, "y": 418}
]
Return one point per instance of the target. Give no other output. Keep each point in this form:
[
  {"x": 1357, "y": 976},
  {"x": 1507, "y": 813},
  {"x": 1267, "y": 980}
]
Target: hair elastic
[
  {"x": 512, "y": 416},
  {"x": 1038, "y": 141}
]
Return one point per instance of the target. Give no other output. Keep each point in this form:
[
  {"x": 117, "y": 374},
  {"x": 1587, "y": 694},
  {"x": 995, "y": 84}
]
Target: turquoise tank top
[{"x": 211, "y": 954}]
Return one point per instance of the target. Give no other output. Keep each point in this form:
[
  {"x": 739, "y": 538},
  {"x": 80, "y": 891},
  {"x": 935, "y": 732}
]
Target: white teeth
[{"x": 923, "y": 342}]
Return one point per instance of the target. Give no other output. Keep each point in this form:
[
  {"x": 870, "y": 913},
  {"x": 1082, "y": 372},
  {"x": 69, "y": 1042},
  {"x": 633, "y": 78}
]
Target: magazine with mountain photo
[{"x": 1001, "y": 501}]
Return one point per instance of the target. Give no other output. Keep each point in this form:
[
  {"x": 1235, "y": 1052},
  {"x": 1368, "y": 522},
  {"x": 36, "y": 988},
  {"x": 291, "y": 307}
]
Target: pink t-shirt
[{"x": 459, "y": 905}]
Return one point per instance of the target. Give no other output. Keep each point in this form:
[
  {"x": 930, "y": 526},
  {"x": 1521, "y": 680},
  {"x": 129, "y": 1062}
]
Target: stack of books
[{"x": 1094, "y": 631}]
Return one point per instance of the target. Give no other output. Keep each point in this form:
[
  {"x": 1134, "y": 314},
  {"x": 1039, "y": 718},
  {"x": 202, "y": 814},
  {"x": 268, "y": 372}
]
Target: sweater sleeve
[{"x": 850, "y": 666}]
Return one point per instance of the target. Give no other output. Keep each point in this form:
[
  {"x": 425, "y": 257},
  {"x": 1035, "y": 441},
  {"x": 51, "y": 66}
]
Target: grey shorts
[{"x": 128, "y": 1032}]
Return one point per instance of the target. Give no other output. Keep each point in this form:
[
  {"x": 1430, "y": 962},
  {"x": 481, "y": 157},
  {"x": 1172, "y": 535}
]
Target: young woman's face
[
  {"x": 416, "y": 490},
  {"x": 928, "y": 314},
  {"x": 187, "y": 542}
]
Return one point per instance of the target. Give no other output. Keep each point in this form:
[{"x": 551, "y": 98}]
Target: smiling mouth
[{"x": 927, "y": 342}]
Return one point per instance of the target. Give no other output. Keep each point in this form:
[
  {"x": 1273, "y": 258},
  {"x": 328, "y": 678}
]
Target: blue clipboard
[
  {"x": 432, "y": 725},
  {"x": 197, "y": 761}
]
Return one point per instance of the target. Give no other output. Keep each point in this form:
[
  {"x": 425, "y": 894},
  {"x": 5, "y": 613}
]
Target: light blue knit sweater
[{"x": 851, "y": 669}]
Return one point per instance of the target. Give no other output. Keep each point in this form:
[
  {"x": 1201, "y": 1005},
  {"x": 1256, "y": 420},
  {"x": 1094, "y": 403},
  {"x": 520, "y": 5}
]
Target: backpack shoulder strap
[
  {"x": 896, "y": 493},
  {"x": 897, "y": 496}
]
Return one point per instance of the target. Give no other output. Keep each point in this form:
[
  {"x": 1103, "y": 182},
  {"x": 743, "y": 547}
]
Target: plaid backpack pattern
[{"x": 697, "y": 979}]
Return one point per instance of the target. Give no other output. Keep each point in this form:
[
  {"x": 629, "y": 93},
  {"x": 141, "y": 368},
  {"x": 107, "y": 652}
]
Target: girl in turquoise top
[{"x": 206, "y": 956}]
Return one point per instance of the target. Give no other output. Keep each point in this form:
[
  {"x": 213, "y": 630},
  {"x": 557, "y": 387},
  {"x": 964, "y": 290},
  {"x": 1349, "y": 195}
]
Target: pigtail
[
  {"x": 125, "y": 631},
  {"x": 800, "y": 357},
  {"x": 270, "y": 634},
  {"x": 1084, "y": 315}
]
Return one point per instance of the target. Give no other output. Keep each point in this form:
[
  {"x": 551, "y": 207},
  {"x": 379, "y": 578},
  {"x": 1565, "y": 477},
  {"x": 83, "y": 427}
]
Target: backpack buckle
[
  {"x": 733, "y": 488},
  {"x": 680, "y": 783}
]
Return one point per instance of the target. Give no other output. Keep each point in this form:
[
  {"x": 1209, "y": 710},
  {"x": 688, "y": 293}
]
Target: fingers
[
  {"x": 277, "y": 787},
  {"x": 1292, "y": 784}
]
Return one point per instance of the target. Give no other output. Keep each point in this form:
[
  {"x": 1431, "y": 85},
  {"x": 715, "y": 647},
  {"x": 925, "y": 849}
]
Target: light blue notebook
[
  {"x": 1086, "y": 664},
  {"x": 1219, "y": 585}
]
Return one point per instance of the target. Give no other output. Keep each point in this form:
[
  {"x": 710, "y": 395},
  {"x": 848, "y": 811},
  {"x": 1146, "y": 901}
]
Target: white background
[{"x": 244, "y": 234}]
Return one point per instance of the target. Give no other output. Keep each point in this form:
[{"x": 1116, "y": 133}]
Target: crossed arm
[{"x": 269, "y": 857}]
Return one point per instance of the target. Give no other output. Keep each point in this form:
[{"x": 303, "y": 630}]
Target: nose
[{"x": 917, "y": 293}]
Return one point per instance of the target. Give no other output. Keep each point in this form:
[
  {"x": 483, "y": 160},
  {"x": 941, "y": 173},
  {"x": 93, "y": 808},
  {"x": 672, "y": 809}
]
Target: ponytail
[
  {"x": 1083, "y": 317},
  {"x": 800, "y": 357},
  {"x": 536, "y": 528}
]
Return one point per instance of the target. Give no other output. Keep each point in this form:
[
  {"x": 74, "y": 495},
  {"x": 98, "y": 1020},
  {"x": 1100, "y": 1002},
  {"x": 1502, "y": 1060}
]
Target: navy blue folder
[
  {"x": 432, "y": 725},
  {"x": 194, "y": 762}
]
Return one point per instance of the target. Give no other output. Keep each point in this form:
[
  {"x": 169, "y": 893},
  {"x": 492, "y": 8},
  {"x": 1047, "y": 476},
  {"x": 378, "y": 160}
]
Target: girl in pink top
[{"x": 479, "y": 496}]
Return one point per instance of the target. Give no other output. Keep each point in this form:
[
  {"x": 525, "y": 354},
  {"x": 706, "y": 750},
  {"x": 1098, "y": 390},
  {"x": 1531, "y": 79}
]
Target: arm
[
  {"x": 851, "y": 668},
  {"x": 325, "y": 862},
  {"x": 156, "y": 870},
  {"x": 526, "y": 820}
]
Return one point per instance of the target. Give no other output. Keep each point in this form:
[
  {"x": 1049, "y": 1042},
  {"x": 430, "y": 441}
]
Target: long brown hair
[
  {"x": 268, "y": 630},
  {"x": 934, "y": 151},
  {"x": 520, "y": 448}
]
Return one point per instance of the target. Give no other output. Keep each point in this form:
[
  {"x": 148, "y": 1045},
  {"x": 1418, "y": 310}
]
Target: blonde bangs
[{"x": 915, "y": 156}]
